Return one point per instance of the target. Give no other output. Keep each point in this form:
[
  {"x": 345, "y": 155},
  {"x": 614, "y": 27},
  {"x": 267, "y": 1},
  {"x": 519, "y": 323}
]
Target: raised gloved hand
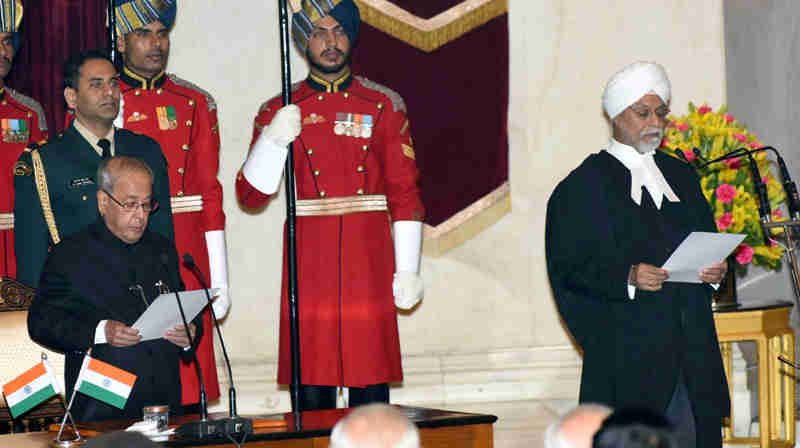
[
  {"x": 218, "y": 268},
  {"x": 407, "y": 288},
  {"x": 264, "y": 165},
  {"x": 284, "y": 127}
]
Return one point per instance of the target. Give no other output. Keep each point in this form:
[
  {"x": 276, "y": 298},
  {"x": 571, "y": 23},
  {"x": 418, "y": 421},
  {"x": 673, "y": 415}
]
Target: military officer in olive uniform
[
  {"x": 55, "y": 186},
  {"x": 22, "y": 121}
]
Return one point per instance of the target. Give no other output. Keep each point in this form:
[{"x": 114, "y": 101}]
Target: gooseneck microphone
[
  {"x": 204, "y": 428},
  {"x": 234, "y": 424}
]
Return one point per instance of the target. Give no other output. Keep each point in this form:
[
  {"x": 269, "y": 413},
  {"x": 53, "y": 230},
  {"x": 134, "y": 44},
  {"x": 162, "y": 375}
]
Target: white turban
[{"x": 632, "y": 83}]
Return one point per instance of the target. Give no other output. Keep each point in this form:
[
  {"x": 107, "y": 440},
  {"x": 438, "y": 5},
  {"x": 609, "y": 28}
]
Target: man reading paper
[{"x": 610, "y": 224}]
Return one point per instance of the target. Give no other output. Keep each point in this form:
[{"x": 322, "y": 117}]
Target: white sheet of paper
[
  {"x": 697, "y": 251},
  {"x": 163, "y": 314}
]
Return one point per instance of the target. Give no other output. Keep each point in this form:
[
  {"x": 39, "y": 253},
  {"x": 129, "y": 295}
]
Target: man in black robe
[
  {"x": 647, "y": 343},
  {"x": 96, "y": 284}
]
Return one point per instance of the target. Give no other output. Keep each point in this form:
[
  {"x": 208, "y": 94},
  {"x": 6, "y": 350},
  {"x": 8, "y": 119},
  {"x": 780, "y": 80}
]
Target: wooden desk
[
  {"x": 438, "y": 429},
  {"x": 766, "y": 323}
]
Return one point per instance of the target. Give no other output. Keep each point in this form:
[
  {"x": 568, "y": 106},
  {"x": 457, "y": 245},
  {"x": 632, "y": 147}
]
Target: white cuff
[
  {"x": 100, "y": 333},
  {"x": 715, "y": 286},
  {"x": 631, "y": 292},
  {"x": 264, "y": 166},
  {"x": 218, "y": 269},
  {"x": 407, "y": 245}
]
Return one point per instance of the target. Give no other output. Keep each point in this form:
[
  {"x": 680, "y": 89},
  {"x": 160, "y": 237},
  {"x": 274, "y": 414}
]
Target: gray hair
[
  {"x": 576, "y": 424},
  {"x": 109, "y": 170},
  {"x": 375, "y": 426}
]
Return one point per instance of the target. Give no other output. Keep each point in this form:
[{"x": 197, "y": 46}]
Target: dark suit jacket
[
  {"x": 70, "y": 163},
  {"x": 635, "y": 349},
  {"x": 86, "y": 279}
]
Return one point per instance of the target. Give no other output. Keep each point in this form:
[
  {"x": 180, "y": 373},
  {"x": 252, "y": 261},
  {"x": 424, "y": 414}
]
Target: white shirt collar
[{"x": 644, "y": 172}]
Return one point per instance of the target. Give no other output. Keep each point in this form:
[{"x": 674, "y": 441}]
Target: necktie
[{"x": 106, "y": 145}]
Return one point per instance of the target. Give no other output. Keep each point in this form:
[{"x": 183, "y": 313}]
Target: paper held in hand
[
  {"x": 163, "y": 314},
  {"x": 700, "y": 250}
]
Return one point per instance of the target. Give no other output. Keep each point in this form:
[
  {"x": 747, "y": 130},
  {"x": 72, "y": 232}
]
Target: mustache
[
  {"x": 652, "y": 130},
  {"x": 332, "y": 50}
]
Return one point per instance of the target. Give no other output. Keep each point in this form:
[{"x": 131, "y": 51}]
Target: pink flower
[
  {"x": 741, "y": 137},
  {"x": 726, "y": 193},
  {"x": 689, "y": 155},
  {"x": 683, "y": 127},
  {"x": 704, "y": 109},
  {"x": 744, "y": 254},
  {"x": 671, "y": 124},
  {"x": 664, "y": 142},
  {"x": 777, "y": 214},
  {"x": 733, "y": 163},
  {"x": 755, "y": 145},
  {"x": 729, "y": 118},
  {"x": 765, "y": 180},
  {"x": 724, "y": 221}
]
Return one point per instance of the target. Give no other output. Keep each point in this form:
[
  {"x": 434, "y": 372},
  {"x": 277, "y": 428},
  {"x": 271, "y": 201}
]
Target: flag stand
[{"x": 78, "y": 440}]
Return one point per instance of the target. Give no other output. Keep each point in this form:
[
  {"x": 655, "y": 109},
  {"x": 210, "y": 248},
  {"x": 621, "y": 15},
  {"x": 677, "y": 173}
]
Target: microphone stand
[{"x": 233, "y": 424}]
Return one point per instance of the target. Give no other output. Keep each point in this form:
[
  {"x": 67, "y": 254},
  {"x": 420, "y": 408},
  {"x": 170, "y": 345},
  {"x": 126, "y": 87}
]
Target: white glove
[
  {"x": 284, "y": 127},
  {"x": 407, "y": 285},
  {"x": 264, "y": 165},
  {"x": 218, "y": 268},
  {"x": 408, "y": 289}
]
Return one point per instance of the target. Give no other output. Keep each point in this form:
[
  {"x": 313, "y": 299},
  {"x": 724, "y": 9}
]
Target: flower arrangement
[{"x": 728, "y": 185}]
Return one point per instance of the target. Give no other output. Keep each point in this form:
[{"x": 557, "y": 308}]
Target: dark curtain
[
  {"x": 51, "y": 31},
  {"x": 457, "y": 98}
]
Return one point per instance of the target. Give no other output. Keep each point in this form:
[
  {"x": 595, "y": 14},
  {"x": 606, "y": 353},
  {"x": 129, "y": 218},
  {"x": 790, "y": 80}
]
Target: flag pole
[
  {"x": 112, "y": 32},
  {"x": 291, "y": 216}
]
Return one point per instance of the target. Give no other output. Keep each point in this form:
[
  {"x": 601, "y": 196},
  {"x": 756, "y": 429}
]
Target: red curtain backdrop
[
  {"x": 457, "y": 99},
  {"x": 51, "y": 31}
]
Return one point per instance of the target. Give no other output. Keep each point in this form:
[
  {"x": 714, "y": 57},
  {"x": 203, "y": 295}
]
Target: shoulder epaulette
[
  {"x": 397, "y": 100},
  {"x": 31, "y": 104},
  {"x": 212, "y": 105}
]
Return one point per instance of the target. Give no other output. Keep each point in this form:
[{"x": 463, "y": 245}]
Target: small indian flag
[
  {"x": 105, "y": 382},
  {"x": 30, "y": 389}
]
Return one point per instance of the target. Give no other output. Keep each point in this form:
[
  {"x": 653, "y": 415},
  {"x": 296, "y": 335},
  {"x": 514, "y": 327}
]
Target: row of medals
[{"x": 352, "y": 129}]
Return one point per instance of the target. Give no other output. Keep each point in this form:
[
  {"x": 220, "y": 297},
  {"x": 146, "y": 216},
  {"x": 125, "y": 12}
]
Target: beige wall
[{"x": 487, "y": 329}]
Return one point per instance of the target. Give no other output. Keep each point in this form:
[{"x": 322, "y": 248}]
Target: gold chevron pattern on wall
[{"x": 427, "y": 34}]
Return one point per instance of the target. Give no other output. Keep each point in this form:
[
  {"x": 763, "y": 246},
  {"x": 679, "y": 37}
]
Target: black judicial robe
[
  {"x": 86, "y": 279},
  {"x": 635, "y": 349}
]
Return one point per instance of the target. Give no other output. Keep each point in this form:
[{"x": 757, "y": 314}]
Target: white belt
[
  {"x": 186, "y": 204},
  {"x": 341, "y": 205},
  {"x": 6, "y": 221}
]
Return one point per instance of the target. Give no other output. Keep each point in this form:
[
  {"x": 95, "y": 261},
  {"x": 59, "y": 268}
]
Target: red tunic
[
  {"x": 23, "y": 122},
  {"x": 348, "y": 323},
  {"x": 182, "y": 118}
]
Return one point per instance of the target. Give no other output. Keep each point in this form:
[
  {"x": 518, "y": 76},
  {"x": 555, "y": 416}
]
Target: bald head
[
  {"x": 577, "y": 427},
  {"x": 375, "y": 426}
]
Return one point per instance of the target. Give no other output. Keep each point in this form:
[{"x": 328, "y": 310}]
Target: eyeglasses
[
  {"x": 643, "y": 112},
  {"x": 132, "y": 206}
]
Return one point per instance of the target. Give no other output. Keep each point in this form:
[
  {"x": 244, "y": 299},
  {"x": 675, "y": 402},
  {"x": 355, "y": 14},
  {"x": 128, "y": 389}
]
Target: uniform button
[
  {"x": 136, "y": 114},
  {"x": 137, "y": 92},
  {"x": 346, "y": 95},
  {"x": 180, "y": 193},
  {"x": 180, "y": 170},
  {"x": 158, "y": 92},
  {"x": 5, "y": 102},
  {"x": 360, "y": 191},
  {"x": 30, "y": 114},
  {"x": 365, "y": 148},
  {"x": 322, "y": 194},
  {"x": 380, "y": 106},
  {"x": 360, "y": 168},
  {"x": 191, "y": 102},
  {"x": 185, "y": 147},
  {"x": 188, "y": 122},
  {"x": 320, "y": 97},
  {"x": 316, "y": 172},
  {"x": 310, "y": 151},
  {"x": 83, "y": 198}
]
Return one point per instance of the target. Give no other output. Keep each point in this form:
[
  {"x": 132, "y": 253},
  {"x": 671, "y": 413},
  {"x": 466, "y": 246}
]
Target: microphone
[
  {"x": 699, "y": 156},
  {"x": 233, "y": 424},
  {"x": 793, "y": 199},
  {"x": 678, "y": 152},
  {"x": 204, "y": 428}
]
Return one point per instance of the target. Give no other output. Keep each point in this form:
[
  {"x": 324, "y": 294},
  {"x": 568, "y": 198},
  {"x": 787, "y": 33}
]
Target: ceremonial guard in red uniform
[
  {"x": 23, "y": 122},
  {"x": 356, "y": 182},
  {"x": 183, "y": 119}
]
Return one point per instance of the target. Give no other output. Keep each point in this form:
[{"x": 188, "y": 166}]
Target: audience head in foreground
[
  {"x": 577, "y": 427},
  {"x": 635, "y": 428},
  {"x": 375, "y": 426}
]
